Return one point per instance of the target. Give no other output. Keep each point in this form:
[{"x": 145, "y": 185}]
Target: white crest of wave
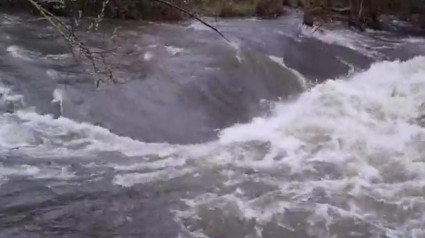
[
  {"x": 372, "y": 114},
  {"x": 44, "y": 135},
  {"x": 21, "y": 53},
  {"x": 54, "y": 171},
  {"x": 9, "y": 97},
  {"x": 350, "y": 148},
  {"x": 174, "y": 50},
  {"x": 375, "y": 104},
  {"x": 366, "y": 44},
  {"x": 197, "y": 26},
  {"x": 58, "y": 97},
  {"x": 281, "y": 62}
]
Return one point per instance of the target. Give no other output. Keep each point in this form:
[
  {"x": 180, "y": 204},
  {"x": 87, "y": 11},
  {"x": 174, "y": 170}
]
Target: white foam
[
  {"x": 175, "y": 50},
  {"x": 147, "y": 56},
  {"x": 366, "y": 44},
  {"x": 368, "y": 97},
  {"x": 8, "y": 19},
  {"x": 360, "y": 124},
  {"x": 25, "y": 170},
  {"x": 281, "y": 62},
  {"x": 21, "y": 53},
  {"x": 237, "y": 47},
  {"x": 130, "y": 179},
  {"x": 161, "y": 164},
  {"x": 58, "y": 97},
  {"x": 58, "y": 56},
  {"x": 45, "y": 136},
  {"x": 197, "y": 26},
  {"x": 7, "y": 96},
  {"x": 363, "y": 127}
]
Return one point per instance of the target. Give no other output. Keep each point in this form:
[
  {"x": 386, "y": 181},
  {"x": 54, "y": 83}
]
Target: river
[{"x": 281, "y": 133}]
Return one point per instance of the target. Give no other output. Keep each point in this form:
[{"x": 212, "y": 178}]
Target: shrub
[{"x": 269, "y": 8}]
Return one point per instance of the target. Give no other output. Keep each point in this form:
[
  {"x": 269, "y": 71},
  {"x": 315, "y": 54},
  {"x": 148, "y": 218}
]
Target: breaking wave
[{"x": 347, "y": 154}]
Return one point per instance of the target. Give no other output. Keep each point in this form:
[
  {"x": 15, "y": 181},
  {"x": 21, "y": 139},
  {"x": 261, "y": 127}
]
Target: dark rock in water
[{"x": 308, "y": 20}]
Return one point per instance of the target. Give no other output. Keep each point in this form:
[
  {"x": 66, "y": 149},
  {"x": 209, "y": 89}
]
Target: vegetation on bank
[
  {"x": 154, "y": 10},
  {"x": 359, "y": 13},
  {"x": 365, "y": 13}
]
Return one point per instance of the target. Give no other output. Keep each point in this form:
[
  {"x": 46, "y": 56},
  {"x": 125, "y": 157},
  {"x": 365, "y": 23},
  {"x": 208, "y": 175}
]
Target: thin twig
[
  {"x": 73, "y": 41},
  {"x": 103, "y": 71},
  {"x": 193, "y": 16},
  {"x": 318, "y": 27}
]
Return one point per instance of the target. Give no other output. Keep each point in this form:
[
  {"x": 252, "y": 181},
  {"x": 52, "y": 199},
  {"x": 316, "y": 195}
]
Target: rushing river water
[{"x": 204, "y": 138}]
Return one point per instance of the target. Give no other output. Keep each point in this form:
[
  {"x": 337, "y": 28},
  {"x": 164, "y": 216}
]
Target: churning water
[{"x": 345, "y": 158}]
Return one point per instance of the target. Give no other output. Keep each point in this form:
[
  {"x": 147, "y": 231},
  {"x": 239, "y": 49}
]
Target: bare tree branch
[
  {"x": 193, "y": 16},
  {"x": 97, "y": 59},
  {"x": 102, "y": 71}
]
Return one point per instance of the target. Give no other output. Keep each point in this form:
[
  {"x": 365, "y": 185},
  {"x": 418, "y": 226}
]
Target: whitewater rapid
[
  {"x": 334, "y": 157},
  {"x": 349, "y": 151},
  {"x": 349, "y": 148}
]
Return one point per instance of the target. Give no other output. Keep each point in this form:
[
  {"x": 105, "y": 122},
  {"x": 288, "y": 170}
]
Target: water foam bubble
[
  {"x": 368, "y": 44},
  {"x": 174, "y": 50},
  {"x": 21, "y": 53}
]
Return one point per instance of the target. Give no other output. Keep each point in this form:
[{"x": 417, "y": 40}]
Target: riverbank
[
  {"x": 156, "y": 10},
  {"x": 377, "y": 14},
  {"x": 403, "y": 16}
]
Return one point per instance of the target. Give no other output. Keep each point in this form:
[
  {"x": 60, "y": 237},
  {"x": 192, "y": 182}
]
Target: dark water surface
[{"x": 149, "y": 157}]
